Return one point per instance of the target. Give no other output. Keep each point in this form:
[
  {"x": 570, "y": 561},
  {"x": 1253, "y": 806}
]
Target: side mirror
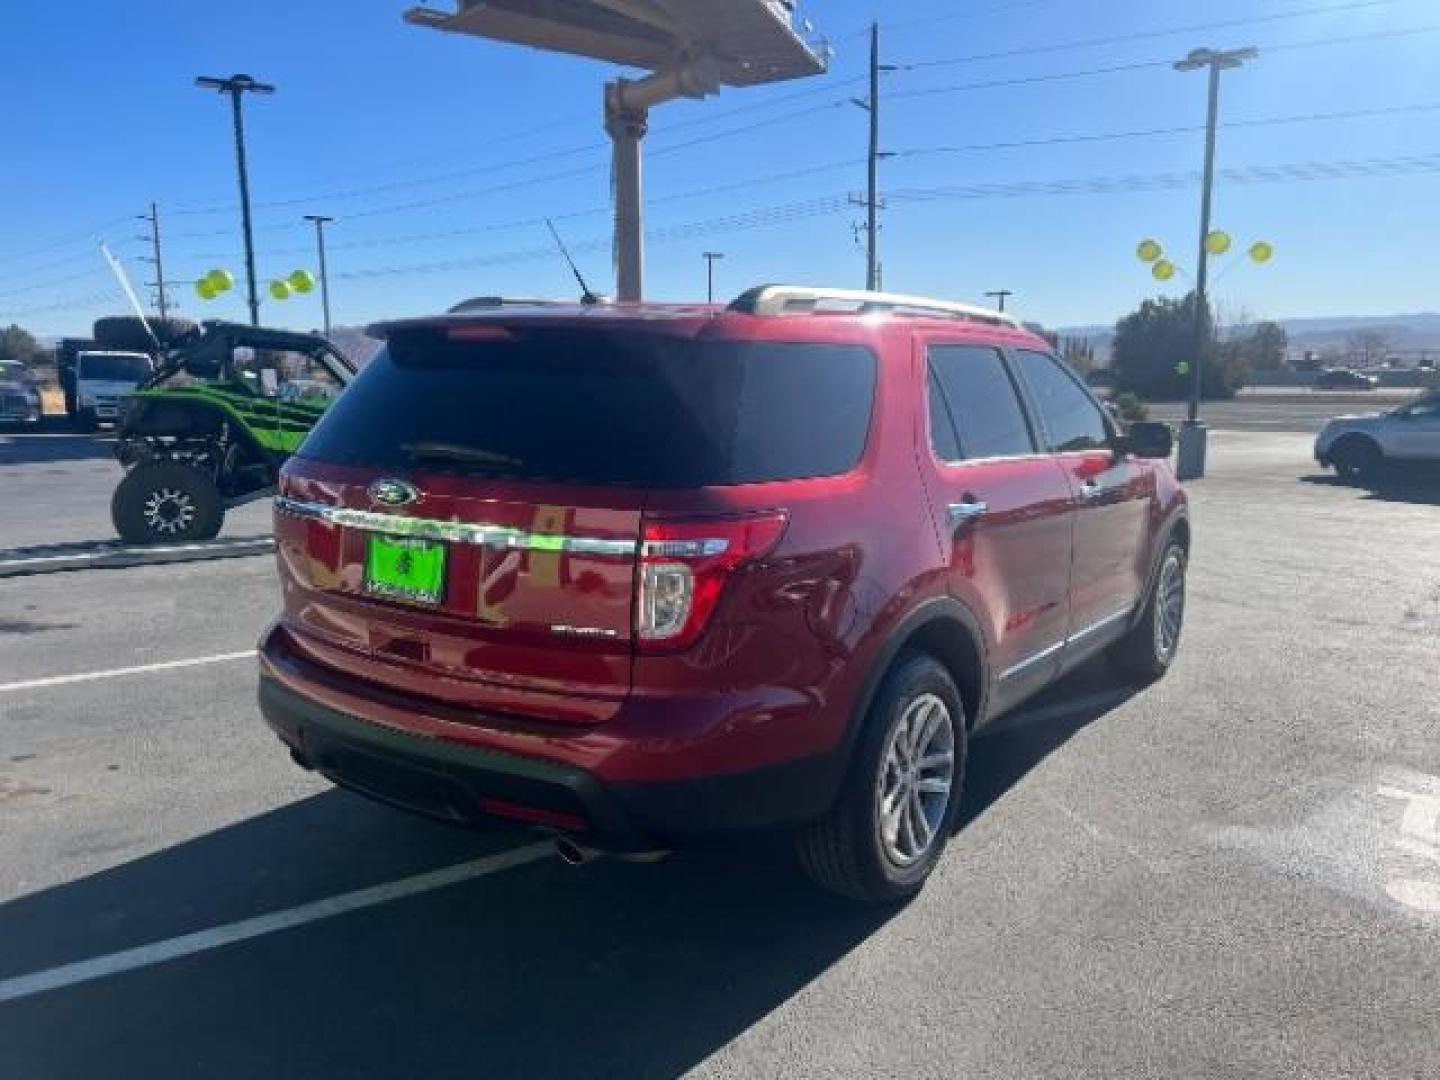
[{"x": 1148, "y": 439}]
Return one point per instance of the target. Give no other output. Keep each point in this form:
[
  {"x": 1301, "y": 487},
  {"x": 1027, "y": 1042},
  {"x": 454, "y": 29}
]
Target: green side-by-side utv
[{"x": 211, "y": 428}]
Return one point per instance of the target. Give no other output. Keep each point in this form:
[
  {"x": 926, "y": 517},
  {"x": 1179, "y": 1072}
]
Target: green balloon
[
  {"x": 204, "y": 289},
  {"x": 279, "y": 289},
  {"x": 220, "y": 280},
  {"x": 302, "y": 281}
]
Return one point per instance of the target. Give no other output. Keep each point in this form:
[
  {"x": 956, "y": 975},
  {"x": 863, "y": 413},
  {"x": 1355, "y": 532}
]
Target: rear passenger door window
[
  {"x": 975, "y": 409},
  {"x": 1070, "y": 417}
]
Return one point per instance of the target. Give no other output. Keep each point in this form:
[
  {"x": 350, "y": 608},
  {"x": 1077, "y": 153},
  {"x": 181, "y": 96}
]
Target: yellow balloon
[
  {"x": 1262, "y": 252},
  {"x": 220, "y": 280},
  {"x": 204, "y": 289},
  {"x": 279, "y": 289},
  {"x": 302, "y": 281},
  {"x": 1149, "y": 250},
  {"x": 1163, "y": 270},
  {"x": 1217, "y": 243}
]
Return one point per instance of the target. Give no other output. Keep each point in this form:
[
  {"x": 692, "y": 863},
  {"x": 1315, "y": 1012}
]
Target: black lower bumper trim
[{"x": 448, "y": 780}]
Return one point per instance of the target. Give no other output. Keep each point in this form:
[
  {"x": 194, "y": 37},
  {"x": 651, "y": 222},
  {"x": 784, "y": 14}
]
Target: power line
[
  {"x": 1140, "y": 65},
  {"x": 832, "y": 204},
  {"x": 1406, "y": 165},
  {"x": 68, "y": 279},
  {"x": 88, "y": 255},
  {"x": 814, "y": 170},
  {"x": 1024, "y": 80},
  {"x": 461, "y": 196},
  {"x": 67, "y": 240},
  {"x": 435, "y": 178},
  {"x": 747, "y": 219},
  {"x": 530, "y": 181},
  {"x": 1150, "y": 35},
  {"x": 64, "y": 305},
  {"x": 763, "y": 217},
  {"x": 595, "y": 211},
  {"x": 393, "y": 185},
  {"x": 968, "y": 13},
  {"x": 1183, "y": 129}
]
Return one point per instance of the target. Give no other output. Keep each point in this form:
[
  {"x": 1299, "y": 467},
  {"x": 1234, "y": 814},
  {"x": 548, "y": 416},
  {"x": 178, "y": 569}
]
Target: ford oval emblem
[{"x": 390, "y": 492}]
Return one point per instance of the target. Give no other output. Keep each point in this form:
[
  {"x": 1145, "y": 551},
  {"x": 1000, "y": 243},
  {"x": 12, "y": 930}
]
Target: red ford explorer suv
[{"x": 633, "y": 573}]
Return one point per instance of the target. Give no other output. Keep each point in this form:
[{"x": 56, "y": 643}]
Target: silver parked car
[
  {"x": 19, "y": 398},
  {"x": 1356, "y": 445}
]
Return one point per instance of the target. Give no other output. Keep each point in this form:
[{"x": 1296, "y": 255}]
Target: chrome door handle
[{"x": 960, "y": 513}]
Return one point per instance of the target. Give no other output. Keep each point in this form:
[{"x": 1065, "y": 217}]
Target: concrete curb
[{"x": 113, "y": 555}]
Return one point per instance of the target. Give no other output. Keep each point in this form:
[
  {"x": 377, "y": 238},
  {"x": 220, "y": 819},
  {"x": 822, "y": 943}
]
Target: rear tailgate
[{"x": 532, "y": 606}]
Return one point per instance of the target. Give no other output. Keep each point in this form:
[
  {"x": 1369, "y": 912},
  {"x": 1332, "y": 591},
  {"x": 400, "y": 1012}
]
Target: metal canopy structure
[{"x": 690, "y": 48}]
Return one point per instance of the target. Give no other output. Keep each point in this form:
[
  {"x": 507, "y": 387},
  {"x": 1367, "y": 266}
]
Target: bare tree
[{"x": 1369, "y": 347}]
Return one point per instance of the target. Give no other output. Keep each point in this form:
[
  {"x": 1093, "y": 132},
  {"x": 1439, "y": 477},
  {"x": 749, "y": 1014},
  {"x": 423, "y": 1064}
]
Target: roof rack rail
[
  {"x": 799, "y": 299},
  {"x": 487, "y": 303}
]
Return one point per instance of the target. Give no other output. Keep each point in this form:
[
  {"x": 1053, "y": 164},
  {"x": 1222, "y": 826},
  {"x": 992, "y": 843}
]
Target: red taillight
[{"x": 683, "y": 569}]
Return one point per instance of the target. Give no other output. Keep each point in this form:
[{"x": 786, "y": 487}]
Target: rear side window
[
  {"x": 603, "y": 407},
  {"x": 977, "y": 402},
  {"x": 1072, "y": 420}
]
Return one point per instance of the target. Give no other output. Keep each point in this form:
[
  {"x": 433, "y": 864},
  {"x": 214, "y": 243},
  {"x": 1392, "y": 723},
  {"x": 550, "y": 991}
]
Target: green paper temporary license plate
[{"x": 405, "y": 568}]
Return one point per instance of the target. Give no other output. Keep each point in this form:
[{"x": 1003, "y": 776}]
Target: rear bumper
[{"x": 467, "y": 783}]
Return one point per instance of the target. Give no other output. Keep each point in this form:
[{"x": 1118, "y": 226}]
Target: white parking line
[
  {"x": 217, "y": 937},
  {"x": 113, "y": 673}
]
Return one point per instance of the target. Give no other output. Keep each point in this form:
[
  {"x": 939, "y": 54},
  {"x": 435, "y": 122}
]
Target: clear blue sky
[{"x": 373, "y": 116}]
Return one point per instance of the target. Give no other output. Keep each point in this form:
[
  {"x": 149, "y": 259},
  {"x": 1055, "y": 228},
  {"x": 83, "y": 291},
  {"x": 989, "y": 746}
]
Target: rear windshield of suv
[{"x": 595, "y": 406}]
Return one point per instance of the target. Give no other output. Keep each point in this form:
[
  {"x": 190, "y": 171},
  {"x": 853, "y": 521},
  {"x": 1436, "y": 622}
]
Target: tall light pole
[
  {"x": 710, "y": 259},
  {"x": 1001, "y": 295},
  {"x": 1191, "y": 460},
  {"x": 320, "y": 221},
  {"x": 237, "y": 86}
]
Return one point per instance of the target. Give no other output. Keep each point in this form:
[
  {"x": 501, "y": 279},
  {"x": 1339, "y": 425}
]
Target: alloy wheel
[
  {"x": 915, "y": 781},
  {"x": 169, "y": 512}
]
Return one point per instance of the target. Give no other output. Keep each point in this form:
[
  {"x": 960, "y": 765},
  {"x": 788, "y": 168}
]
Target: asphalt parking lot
[{"x": 1235, "y": 872}]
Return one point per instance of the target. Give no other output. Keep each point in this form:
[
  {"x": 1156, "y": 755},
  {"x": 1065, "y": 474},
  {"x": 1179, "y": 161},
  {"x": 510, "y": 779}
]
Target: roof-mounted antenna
[{"x": 588, "y": 298}]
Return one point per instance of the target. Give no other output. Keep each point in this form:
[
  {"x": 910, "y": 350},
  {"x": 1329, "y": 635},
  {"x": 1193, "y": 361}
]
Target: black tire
[
  {"x": 845, "y": 852},
  {"x": 166, "y": 503},
  {"x": 1147, "y": 651},
  {"x": 1357, "y": 456}
]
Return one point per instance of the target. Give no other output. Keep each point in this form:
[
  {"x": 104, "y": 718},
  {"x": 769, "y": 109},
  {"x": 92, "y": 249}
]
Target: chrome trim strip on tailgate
[{"x": 456, "y": 532}]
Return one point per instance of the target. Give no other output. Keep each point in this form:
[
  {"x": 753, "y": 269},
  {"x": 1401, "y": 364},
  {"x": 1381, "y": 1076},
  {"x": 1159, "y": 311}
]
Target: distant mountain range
[{"x": 1407, "y": 334}]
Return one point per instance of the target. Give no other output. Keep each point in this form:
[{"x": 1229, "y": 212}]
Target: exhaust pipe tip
[
  {"x": 572, "y": 854},
  {"x": 576, "y": 854}
]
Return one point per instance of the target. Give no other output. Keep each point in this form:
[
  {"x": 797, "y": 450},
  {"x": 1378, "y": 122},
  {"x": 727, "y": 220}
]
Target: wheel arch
[
  {"x": 1178, "y": 530},
  {"x": 947, "y": 630},
  {"x": 1355, "y": 438}
]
